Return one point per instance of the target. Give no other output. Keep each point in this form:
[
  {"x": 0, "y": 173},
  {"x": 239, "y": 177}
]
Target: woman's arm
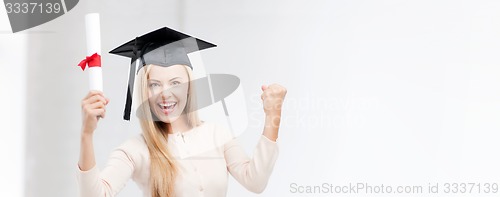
[
  {"x": 87, "y": 158},
  {"x": 119, "y": 168},
  {"x": 93, "y": 107},
  {"x": 271, "y": 127},
  {"x": 254, "y": 173},
  {"x": 109, "y": 181},
  {"x": 122, "y": 163}
]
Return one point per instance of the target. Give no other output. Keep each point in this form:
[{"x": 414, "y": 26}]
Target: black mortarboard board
[{"x": 162, "y": 47}]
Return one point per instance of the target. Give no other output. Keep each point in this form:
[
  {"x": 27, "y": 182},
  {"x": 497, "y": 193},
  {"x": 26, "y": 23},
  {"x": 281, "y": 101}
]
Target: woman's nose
[{"x": 166, "y": 93}]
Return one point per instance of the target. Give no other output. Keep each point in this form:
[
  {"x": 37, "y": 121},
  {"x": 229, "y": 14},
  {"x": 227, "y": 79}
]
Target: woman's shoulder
[
  {"x": 219, "y": 130},
  {"x": 134, "y": 142},
  {"x": 135, "y": 153},
  {"x": 135, "y": 147}
]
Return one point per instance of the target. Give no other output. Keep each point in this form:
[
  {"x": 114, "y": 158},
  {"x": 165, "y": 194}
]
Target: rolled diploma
[{"x": 93, "y": 35}]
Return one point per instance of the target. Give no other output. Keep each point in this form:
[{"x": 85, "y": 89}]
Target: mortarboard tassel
[{"x": 131, "y": 79}]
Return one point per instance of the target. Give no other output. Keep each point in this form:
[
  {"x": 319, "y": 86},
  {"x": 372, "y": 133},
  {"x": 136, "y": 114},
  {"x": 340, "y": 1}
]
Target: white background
[{"x": 380, "y": 92}]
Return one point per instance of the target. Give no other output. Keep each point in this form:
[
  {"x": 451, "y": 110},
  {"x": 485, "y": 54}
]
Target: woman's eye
[
  {"x": 154, "y": 85},
  {"x": 175, "y": 83}
]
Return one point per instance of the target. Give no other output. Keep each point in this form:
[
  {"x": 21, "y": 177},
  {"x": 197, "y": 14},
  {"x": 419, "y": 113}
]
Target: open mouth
[{"x": 167, "y": 107}]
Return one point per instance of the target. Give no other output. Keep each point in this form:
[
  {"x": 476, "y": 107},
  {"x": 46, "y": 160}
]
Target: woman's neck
[{"x": 179, "y": 125}]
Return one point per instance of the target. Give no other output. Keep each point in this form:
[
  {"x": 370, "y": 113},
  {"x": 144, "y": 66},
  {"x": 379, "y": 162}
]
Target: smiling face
[{"x": 168, "y": 90}]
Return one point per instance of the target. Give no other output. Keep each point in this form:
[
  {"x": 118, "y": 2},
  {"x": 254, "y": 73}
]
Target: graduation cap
[{"x": 162, "y": 47}]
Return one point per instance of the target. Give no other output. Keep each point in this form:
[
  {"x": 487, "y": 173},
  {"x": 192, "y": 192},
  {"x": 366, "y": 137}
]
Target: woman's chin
[
  {"x": 167, "y": 118},
  {"x": 164, "y": 119}
]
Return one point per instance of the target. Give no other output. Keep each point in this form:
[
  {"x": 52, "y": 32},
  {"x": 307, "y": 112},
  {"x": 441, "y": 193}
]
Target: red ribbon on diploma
[{"x": 93, "y": 61}]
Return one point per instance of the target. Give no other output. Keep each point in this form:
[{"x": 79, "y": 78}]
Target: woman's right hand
[{"x": 93, "y": 108}]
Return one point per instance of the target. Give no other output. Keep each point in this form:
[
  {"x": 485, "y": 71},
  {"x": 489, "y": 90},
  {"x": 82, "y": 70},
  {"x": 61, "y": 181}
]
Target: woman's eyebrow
[
  {"x": 168, "y": 80},
  {"x": 174, "y": 78},
  {"x": 156, "y": 80}
]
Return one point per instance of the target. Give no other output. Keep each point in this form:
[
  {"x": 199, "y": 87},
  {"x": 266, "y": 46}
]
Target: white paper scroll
[{"x": 93, "y": 34}]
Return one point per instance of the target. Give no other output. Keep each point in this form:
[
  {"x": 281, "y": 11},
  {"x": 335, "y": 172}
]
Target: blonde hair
[{"x": 163, "y": 170}]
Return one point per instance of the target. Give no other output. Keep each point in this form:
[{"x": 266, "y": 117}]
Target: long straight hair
[{"x": 163, "y": 169}]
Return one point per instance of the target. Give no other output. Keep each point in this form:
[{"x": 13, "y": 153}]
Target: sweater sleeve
[
  {"x": 253, "y": 173},
  {"x": 112, "y": 178}
]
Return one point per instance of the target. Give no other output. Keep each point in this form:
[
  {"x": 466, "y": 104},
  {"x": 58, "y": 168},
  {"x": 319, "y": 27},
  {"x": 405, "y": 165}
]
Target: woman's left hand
[{"x": 272, "y": 98}]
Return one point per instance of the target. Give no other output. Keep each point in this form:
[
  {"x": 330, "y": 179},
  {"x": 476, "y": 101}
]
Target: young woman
[{"x": 176, "y": 154}]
